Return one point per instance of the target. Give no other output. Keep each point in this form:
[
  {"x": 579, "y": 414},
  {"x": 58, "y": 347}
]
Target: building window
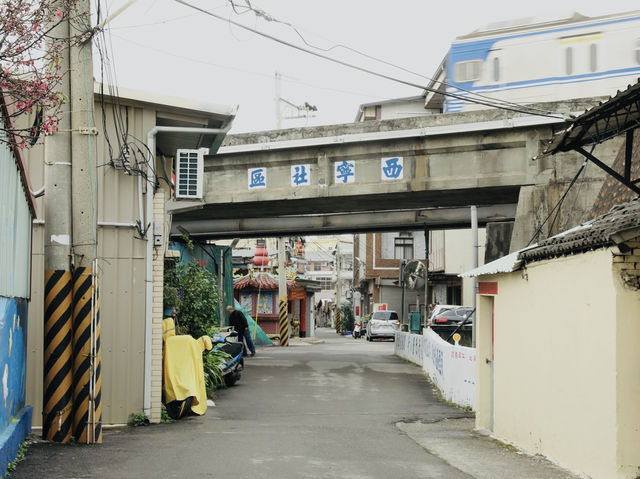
[
  {"x": 371, "y": 112},
  {"x": 403, "y": 246},
  {"x": 325, "y": 282},
  {"x": 467, "y": 71},
  {"x": 593, "y": 57},
  {"x": 568, "y": 59}
]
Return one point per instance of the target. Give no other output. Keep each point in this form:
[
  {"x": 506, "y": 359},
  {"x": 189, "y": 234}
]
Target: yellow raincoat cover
[{"x": 183, "y": 368}]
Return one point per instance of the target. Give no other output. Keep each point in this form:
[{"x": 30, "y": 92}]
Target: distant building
[
  {"x": 377, "y": 272},
  {"x": 394, "y": 108}
]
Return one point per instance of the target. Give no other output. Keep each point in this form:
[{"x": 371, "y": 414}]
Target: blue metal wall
[
  {"x": 15, "y": 229},
  {"x": 15, "y": 275},
  {"x": 13, "y": 366}
]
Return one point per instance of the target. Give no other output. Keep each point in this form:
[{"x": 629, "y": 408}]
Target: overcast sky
[{"x": 165, "y": 47}]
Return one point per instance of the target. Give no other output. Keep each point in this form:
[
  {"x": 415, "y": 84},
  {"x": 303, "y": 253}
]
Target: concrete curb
[{"x": 454, "y": 441}]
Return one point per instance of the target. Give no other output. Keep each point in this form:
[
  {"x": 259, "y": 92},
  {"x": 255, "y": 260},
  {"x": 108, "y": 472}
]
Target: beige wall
[
  {"x": 561, "y": 385},
  {"x": 122, "y": 276}
]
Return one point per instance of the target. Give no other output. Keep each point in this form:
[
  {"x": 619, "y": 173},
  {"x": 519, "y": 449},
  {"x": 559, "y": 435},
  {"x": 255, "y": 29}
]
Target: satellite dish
[{"x": 414, "y": 274}]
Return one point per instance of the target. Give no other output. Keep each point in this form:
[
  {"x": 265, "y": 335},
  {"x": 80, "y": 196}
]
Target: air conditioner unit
[{"x": 189, "y": 173}]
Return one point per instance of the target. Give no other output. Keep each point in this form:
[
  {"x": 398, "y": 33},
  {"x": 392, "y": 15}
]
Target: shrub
[
  {"x": 193, "y": 291},
  {"x": 347, "y": 319},
  {"x": 137, "y": 419}
]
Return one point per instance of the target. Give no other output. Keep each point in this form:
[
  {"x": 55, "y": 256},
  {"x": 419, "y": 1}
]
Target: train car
[{"x": 536, "y": 60}]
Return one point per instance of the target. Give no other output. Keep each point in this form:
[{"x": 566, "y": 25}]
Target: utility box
[{"x": 415, "y": 322}]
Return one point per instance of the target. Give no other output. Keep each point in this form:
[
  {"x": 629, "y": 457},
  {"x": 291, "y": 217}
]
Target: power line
[
  {"x": 270, "y": 18},
  {"x": 286, "y": 78},
  {"x": 365, "y": 70},
  {"x": 558, "y": 204},
  {"x": 161, "y": 22}
]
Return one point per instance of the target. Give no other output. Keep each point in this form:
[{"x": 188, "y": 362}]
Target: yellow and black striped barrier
[
  {"x": 284, "y": 322},
  {"x": 87, "y": 419},
  {"x": 58, "y": 364},
  {"x": 338, "y": 322}
]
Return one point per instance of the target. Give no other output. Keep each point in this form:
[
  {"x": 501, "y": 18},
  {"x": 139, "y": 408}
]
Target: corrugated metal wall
[
  {"x": 15, "y": 228},
  {"x": 122, "y": 266}
]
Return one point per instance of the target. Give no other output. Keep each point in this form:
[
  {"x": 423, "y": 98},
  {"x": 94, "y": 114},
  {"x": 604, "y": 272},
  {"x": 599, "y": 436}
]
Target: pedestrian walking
[{"x": 238, "y": 320}]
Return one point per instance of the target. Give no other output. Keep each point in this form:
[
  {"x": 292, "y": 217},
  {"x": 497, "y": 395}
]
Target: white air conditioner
[{"x": 189, "y": 173}]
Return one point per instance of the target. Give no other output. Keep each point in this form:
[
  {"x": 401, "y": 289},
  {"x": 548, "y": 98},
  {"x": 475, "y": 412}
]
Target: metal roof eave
[
  {"x": 610, "y": 118},
  {"x": 17, "y": 155}
]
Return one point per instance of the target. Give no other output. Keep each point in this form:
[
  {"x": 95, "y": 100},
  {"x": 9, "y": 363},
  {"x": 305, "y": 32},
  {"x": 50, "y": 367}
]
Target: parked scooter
[
  {"x": 232, "y": 368},
  {"x": 356, "y": 331}
]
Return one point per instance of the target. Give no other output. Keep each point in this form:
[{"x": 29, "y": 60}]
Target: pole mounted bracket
[{"x": 92, "y": 130}]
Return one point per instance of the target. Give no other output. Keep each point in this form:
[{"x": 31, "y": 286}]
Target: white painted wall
[
  {"x": 392, "y": 111},
  {"x": 451, "y": 368}
]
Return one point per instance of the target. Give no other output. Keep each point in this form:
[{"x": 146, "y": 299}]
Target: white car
[{"x": 383, "y": 324}]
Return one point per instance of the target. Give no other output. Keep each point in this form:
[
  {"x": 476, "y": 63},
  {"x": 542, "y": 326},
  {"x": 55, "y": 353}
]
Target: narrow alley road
[{"x": 308, "y": 411}]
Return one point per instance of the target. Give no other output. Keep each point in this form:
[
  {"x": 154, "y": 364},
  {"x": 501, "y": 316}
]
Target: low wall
[
  {"x": 451, "y": 368},
  {"x": 409, "y": 346}
]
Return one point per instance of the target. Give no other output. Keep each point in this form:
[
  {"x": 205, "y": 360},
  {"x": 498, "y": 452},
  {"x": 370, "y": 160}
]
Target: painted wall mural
[
  {"x": 13, "y": 358},
  {"x": 246, "y": 301},
  {"x": 265, "y": 303}
]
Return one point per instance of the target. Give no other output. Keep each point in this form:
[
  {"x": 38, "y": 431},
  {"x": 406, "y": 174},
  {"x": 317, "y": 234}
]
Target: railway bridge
[{"x": 390, "y": 175}]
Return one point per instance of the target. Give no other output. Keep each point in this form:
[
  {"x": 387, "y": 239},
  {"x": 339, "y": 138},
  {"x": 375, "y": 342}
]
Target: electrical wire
[
  {"x": 270, "y": 18},
  {"x": 162, "y": 22},
  {"x": 558, "y": 204},
  {"x": 286, "y": 78},
  {"x": 366, "y": 70}
]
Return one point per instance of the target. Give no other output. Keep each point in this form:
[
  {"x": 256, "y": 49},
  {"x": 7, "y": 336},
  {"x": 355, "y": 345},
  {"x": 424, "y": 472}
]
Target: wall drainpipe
[{"x": 151, "y": 145}]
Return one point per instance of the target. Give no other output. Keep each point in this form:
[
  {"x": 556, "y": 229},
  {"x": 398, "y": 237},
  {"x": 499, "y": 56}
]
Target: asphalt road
[{"x": 308, "y": 411}]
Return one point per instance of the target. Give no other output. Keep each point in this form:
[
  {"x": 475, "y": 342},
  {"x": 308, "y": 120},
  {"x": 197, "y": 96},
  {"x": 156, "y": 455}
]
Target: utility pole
[
  {"x": 58, "y": 323},
  {"x": 87, "y": 423},
  {"x": 474, "y": 258},
  {"x": 338, "y": 286},
  {"x": 426, "y": 275},
  {"x": 278, "y": 95},
  {"x": 303, "y": 110},
  {"x": 282, "y": 293},
  {"x": 403, "y": 319}
]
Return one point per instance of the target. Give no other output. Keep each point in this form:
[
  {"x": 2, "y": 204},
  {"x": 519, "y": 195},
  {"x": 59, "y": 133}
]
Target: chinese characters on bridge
[
  {"x": 344, "y": 173},
  {"x": 392, "y": 168},
  {"x": 300, "y": 175},
  {"x": 257, "y": 178}
]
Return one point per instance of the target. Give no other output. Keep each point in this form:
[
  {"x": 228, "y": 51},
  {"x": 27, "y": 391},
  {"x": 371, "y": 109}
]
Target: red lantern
[{"x": 261, "y": 256}]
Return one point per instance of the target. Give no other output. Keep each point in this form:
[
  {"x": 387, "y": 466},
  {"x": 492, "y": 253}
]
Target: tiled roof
[
  {"x": 261, "y": 281},
  {"x": 594, "y": 234}
]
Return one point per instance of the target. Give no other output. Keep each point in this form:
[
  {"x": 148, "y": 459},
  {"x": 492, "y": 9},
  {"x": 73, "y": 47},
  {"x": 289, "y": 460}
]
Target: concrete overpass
[{"x": 352, "y": 183}]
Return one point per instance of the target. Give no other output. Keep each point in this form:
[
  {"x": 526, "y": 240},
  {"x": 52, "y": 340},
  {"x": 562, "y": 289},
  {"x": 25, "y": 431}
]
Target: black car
[{"x": 453, "y": 317}]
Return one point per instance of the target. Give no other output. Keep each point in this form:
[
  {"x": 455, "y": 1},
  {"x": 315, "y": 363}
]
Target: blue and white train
[{"x": 534, "y": 61}]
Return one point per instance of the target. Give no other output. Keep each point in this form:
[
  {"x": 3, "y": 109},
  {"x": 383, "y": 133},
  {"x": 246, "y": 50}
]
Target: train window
[
  {"x": 568, "y": 58},
  {"x": 638, "y": 51},
  {"x": 593, "y": 57},
  {"x": 496, "y": 69},
  {"x": 468, "y": 71}
]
